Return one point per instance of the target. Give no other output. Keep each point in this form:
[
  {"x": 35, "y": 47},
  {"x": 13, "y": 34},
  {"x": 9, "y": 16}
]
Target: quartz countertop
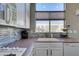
[
  {"x": 23, "y": 43},
  {"x": 53, "y": 40},
  {"x": 26, "y": 43}
]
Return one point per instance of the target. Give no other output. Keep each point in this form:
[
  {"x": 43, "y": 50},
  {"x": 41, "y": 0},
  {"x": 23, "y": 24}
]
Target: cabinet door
[
  {"x": 56, "y": 52},
  {"x": 20, "y": 14},
  {"x": 56, "y": 45},
  {"x": 27, "y": 20},
  {"x": 71, "y": 49},
  {"x": 41, "y": 52},
  {"x": 33, "y": 52},
  {"x": 56, "y": 49}
]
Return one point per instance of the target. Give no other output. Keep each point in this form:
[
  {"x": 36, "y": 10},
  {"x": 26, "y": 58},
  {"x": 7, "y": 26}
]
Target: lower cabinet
[
  {"x": 41, "y": 52},
  {"x": 71, "y": 49},
  {"x": 56, "y": 49},
  {"x": 48, "y": 49},
  {"x": 56, "y": 52}
]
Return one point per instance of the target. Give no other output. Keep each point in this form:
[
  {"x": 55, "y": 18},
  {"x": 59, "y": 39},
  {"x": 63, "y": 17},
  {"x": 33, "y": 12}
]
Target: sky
[{"x": 49, "y": 6}]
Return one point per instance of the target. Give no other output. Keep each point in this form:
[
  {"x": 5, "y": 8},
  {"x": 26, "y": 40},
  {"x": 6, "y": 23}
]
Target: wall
[
  {"x": 8, "y": 35},
  {"x": 72, "y": 19},
  {"x": 32, "y": 17}
]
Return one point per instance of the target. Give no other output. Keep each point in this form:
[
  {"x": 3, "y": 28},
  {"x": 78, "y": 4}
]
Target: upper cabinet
[
  {"x": 11, "y": 15},
  {"x": 23, "y": 15},
  {"x": 8, "y": 14},
  {"x": 2, "y": 13},
  {"x": 27, "y": 15},
  {"x": 20, "y": 14},
  {"x": 15, "y": 14}
]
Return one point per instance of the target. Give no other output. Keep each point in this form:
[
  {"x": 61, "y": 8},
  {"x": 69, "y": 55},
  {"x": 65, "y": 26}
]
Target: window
[
  {"x": 49, "y": 17},
  {"x": 42, "y": 26},
  {"x": 57, "y": 25}
]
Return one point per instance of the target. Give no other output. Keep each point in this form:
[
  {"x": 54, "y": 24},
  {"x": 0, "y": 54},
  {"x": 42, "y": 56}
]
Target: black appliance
[{"x": 24, "y": 34}]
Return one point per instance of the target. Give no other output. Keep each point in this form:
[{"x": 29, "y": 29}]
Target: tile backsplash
[{"x": 8, "y": 35}]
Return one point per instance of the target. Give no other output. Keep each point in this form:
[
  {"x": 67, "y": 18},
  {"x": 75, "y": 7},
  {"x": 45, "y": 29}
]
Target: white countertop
[
  {"x": 64, "y": 40},
  {"x": 48, "y": 39}
]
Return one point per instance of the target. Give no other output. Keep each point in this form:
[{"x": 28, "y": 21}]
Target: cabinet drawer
[
  {"x": 71, "y": 44},
  {"x": 41, "y": 45},
  {"x": 48, "y": 45},
  {"x": 56, "y": 45}
]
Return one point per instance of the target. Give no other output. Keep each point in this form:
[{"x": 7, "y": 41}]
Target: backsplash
[{"x": 8, "y": 35}]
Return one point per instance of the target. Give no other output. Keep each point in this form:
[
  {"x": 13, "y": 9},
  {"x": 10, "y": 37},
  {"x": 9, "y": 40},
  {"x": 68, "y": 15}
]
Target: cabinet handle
[
  {"x": 51, "y": 53},
  {"x": 47, "y": 52}
]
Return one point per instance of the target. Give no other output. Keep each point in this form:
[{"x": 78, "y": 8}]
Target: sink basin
[{"x": 48, "y": 39}]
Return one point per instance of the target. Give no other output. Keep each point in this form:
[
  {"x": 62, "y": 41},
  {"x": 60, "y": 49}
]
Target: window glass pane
[
  {"x": 57, "y": 15},
  {"x": 42, "y": 26},
  {"x": 42, "y": 15},
  {"x": 57, "y": 25},
  {"x": 49, "y": 6}
]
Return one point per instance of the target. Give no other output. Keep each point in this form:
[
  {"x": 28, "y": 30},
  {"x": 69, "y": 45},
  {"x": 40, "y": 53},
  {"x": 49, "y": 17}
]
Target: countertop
[
  {"x": 59, "y": 40},
  {"x": 23, "y": 43},
  {"x": 27, "y": 43}
]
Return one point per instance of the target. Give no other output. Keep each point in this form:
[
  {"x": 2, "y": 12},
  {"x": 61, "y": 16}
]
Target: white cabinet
[
  {"x": 11, "y": 14},
  {"x": 20, "y": 14},
  {"x": 56, "y": 52},
  {"x": 41, "y": 52},
  {"x": 8, "y": 14},
  {"x": 41, "y": 49},
  {"x": 48, "y": 49},
  {"x": 56, "y": 49},
  {"x": 15, "y": 14},
  {"x": 23, "y": 15},
  {"x": 71, "y": 49},
  {"x": 27, "y": 15}
]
